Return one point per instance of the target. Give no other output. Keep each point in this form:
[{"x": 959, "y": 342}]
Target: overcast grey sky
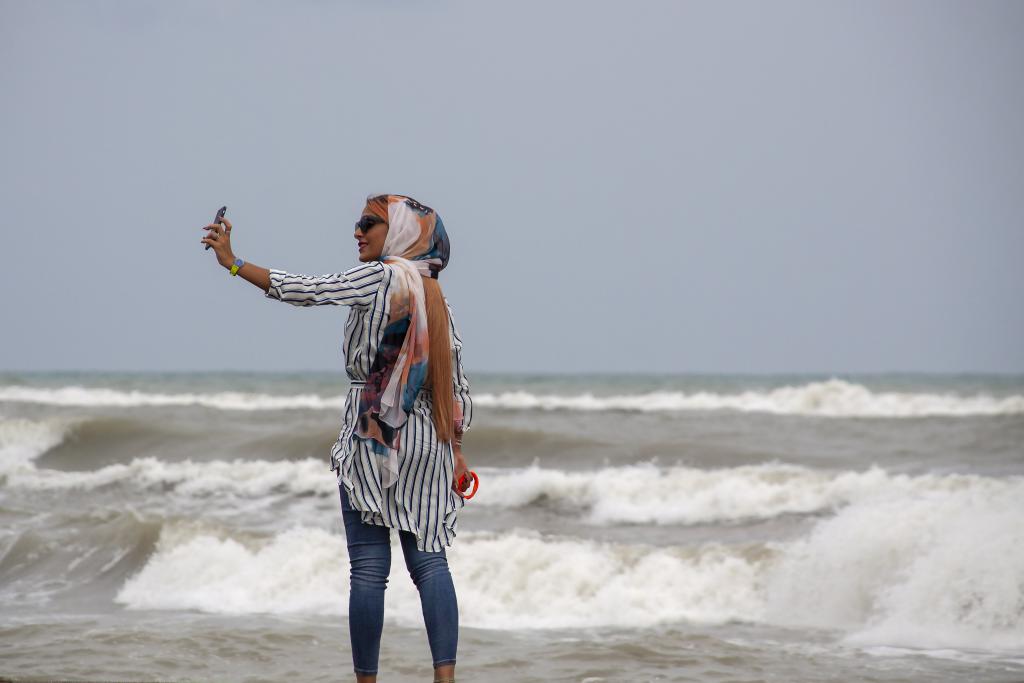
[{"x": 628, "y": 186}]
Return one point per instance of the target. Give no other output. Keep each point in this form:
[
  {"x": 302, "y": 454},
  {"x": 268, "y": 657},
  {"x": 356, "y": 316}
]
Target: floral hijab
[{"x": 416, "y": 246}]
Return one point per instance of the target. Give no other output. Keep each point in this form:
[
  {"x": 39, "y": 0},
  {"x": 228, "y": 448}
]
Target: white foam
[
  {"x": 228, "y": 400},
  {"x": 938, "y": 569},
  {"x": 524, "y": 580},
  {"x": 647, "y": 494},
  {"x": 634, "y": 494},
  {"x": 23, "y": 440},
  {"x": 299, "y": 570},
  {"x": 932, "y": 569},
  {"x": 831, "y": 398},
  {"x": 253, "y": 478},
  {"x": 510, "y": 580}
]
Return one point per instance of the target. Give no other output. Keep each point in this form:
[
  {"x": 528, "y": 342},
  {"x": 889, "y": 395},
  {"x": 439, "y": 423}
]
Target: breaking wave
[
  {"x": 927, "y": 569},
  {"x": 832, "y": 398}
]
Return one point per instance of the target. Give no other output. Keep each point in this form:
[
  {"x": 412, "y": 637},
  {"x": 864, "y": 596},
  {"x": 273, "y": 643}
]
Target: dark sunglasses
[{"x": 367, "y": 222}]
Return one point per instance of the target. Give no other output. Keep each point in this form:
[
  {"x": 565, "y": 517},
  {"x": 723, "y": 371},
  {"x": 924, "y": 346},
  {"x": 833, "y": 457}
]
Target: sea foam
[
  {"x": 935, "y": 569},
  {"x": 931, "y": 569},
  {"x": 227, "y": 400},
  {"x": 517, "y": 579},
  {"x": 643, "y": 493},
  {"x": 831, "y": 398},
  {"x": 23, "y": 440},
  {"x": 648, "y": 494}
]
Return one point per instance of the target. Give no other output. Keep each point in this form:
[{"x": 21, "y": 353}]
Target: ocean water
[{"x": 686, "y": 528}]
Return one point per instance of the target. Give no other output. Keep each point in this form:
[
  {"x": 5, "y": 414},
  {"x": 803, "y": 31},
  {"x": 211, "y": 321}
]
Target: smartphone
[{"x": 216, "y": 219}]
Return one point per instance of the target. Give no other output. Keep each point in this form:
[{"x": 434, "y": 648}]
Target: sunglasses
[{"x": 367, "y": 222}]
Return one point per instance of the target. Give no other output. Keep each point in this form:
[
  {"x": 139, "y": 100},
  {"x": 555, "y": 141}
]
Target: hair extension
[{"x": 439, "y": 363}]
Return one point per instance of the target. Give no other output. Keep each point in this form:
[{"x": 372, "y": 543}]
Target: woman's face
[{"x": 370, "y": 234}]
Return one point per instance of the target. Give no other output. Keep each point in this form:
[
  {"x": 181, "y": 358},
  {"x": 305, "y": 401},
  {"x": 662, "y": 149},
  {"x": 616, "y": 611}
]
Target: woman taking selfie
[{"x": 398, "y": 458}]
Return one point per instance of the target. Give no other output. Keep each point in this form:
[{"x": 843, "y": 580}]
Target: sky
[{"x": 642, "y": 186}]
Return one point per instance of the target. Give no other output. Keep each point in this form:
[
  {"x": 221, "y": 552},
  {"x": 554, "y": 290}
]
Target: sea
[{"x": 713, "y": 528}]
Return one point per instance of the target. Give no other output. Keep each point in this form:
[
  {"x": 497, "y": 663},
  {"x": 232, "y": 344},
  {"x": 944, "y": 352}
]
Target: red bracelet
[{"x": 464, "y": 484}]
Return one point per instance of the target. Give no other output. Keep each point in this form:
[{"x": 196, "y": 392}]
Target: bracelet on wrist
[{"x": 236, "y": 265}]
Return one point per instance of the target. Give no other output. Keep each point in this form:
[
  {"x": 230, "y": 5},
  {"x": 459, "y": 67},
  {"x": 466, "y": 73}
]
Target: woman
[{"x": 398, "y": 458}]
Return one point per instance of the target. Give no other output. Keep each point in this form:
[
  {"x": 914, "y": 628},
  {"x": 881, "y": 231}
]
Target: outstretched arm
[{"x": 355, "y": 287}]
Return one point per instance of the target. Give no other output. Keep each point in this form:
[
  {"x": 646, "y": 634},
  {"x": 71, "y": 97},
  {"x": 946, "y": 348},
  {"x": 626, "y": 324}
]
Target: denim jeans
[{"x": 369, "y": 553}]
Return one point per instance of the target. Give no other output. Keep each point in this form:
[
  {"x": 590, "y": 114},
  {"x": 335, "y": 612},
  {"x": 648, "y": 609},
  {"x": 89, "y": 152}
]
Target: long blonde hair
[{"x": 439, "y": 363}]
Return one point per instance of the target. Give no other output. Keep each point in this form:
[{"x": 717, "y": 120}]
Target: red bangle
[{"x": 463, "y": 484}]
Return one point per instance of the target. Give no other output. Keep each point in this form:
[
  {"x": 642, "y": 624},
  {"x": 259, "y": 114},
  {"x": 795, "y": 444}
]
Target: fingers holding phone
[
  {"x": 219, "y": 237},
  {"x": 219, "y": 218}
]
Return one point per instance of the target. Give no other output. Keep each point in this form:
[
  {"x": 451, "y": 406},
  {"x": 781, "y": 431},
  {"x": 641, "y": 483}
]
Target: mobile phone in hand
[{"x": 216, "y": 219}]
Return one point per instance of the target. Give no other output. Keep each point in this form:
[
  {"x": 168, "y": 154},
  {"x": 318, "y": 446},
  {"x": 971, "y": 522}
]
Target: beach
[{"x": 186, "y": 526}]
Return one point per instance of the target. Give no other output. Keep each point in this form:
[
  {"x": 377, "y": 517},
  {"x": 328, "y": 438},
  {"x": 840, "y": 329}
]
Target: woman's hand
[
  {"x": 219, "y": 238},
  {"x": 460, "y": 467}
]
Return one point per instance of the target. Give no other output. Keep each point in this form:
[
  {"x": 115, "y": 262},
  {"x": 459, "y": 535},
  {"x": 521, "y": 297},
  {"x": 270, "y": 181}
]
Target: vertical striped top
[{"x": 422, "y": 501}]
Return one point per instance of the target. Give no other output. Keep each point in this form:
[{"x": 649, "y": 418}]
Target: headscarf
[{"x": 416, "y": 246}]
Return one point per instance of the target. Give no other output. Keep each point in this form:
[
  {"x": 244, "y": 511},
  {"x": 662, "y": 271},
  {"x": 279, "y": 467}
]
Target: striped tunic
[{"x": 422, "y": 501}]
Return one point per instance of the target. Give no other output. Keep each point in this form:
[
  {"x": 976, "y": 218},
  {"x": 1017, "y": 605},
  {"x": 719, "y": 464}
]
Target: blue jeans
[{"x": 369, "y": 554}]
